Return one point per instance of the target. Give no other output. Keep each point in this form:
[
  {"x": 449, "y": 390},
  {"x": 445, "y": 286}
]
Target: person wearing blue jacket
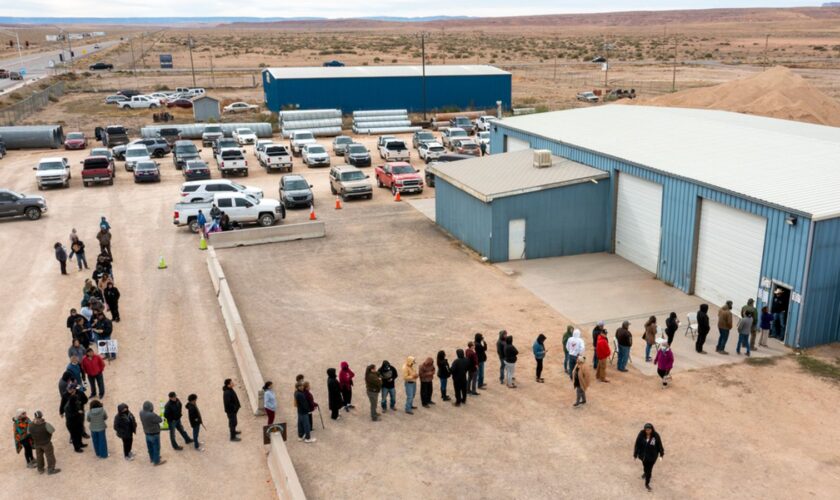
[{"x": 539, "y": 355}]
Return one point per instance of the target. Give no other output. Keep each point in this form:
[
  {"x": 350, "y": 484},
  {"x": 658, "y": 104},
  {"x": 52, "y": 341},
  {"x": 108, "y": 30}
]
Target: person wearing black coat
[
  {"x": 73, "y": 410},
  {"x": 173, "y": 412},
  {"x": 671, "y": 325},
  {"x": 481, "y": 351},
  {"x": 703, "y": 327},
  {"x": 232, "y": 406},
  {"x": 336, "y": 402},
  {"x": 125, "y": 426},
  {"x": 112, "y": 298},
  {"x": 500, "y": 351},
  {"x": 459, "y": 370},
  {"x": 510, "y": 361},
  {"x": 389, "y": 377},
  {"x": 194, "y": 417},
  {"x": 71, "y": 320},
  {"x": 443, "y": 373},
  {"x": 648, "y": 448}
]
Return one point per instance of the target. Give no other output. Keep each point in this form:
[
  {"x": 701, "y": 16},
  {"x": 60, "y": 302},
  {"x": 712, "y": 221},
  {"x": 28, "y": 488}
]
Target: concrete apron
[{"x": 605, "y": 287}]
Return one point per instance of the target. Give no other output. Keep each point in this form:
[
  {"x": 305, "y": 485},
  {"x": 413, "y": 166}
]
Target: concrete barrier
[
  {"x": 230, "y": 313},
  {"x": 215, "y": 269},
  {"x": 252, "y": 378},
  {"x": 273, "y": 234},
  {"x": 283, "y": 472}
]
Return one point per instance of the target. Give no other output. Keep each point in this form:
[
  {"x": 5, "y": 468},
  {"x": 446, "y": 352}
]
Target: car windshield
[
  {"x": 51, "y": 165},
  {"x": 462, "y": 121},
  {"x": 426, "y": 136},
  {"x": 354, "y": 175},
  {"x": 228, "y": 143},
  {"x": 232, "y": 155},
  {"x": 137, "y": 152},
  {"x": 115, "y": 130},
  {"x": 356, "y": 149},
  {"x": 186, "y": 148},
  {"x": 296, "y": 185},
  {"x": 305, "y": 135},
  {"x": 458, "y": 133},
  {"x": 402, "y": 169},
  {"x": 146, "y": 165},
  {"x": 343, "y": 140},
  {"x": 213, "y": 129},
  {"x": 436, "y": 148},
  {"x": 395, "y": 146},
  {"x": 239, "y": 187},
  {"x": 275, "y": 151},
  {"x": 316, "y": 149},
  {"x": 100, "y": 152},
  {"x": 244, "y": 131},
  {"x": 75, "y": 135}
]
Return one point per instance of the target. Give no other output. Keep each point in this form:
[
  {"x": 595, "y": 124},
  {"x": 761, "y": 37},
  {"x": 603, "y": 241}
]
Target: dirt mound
[{"x": 777, "y": 93}]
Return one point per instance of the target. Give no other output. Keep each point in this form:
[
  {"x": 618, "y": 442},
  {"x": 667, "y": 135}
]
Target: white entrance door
[
  {"x": 638, "y": 221},
  {"x": 729, "y": 252},
  {"x": 514, "y": 144},
  {"x": 516, "y": 239}
]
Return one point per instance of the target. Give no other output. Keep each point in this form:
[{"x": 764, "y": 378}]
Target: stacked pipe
[
  {"x": 32, "y": 136},
  {"x": 194, "y": 130},
  {"x": 383, "y": 121},
  {"x": 321, "y": 122}
]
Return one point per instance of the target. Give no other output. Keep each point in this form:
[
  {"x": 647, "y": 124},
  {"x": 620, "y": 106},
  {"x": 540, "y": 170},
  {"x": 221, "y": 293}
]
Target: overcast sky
[{"x": 345, "y": 8}]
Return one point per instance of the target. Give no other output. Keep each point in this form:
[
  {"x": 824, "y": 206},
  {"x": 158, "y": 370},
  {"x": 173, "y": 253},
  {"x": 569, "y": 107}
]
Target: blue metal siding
[
  {"x": 354, "y": 94},
  {"x": 463, "y": 216},
  {"x": 568, "y": 220},
  {"x": 821, "y": 317},
  {"x": 785, "y": 246}
]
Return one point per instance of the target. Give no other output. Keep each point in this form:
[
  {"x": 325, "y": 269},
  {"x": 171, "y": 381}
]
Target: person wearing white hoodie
[{"x": 576, "y": 347}]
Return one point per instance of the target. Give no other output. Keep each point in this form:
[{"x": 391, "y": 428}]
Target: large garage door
[
  {"x": 514, "y": 144},
  {"x": 638, "y": 221},
  {"x": 729, "y": 252}
]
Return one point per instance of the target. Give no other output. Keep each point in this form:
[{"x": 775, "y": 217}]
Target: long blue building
[{"x": 357, "y": 88}]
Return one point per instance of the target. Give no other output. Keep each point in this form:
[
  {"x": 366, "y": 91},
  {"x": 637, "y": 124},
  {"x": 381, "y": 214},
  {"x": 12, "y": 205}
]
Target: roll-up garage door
[
  {"x": 638, "y": 221},
  {"x": 729, "y": 252},
  {"x": 514, "y": 144}
]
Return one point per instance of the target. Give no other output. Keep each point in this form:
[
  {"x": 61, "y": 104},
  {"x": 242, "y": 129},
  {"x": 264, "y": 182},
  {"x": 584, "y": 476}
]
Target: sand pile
[{"x": 777, "y": 93}]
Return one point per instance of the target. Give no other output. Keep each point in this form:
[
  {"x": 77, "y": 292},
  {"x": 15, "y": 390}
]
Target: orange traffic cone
[
  {"x": 312, "y": 212},
  {"x": 338, "y": 203},
  {"x": 397, "y": 196}
]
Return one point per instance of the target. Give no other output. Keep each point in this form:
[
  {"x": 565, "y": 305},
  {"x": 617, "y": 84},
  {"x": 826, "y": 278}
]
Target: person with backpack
[
  {"x": 336, "y": 402},
  {"x": 231, "y": 402},
  {"x": 539, "y": 354},
  {"x": 648, "y": 449},
  {"x": 61, "y": 257},
  {"x": 97, "y": 418},
  {"x": 511, "y": 353},
  {"x": 41, "y": 432},
  {"x": 389, "y": 378},
  {"x": 500, "y": 351},
  {"x": 345, "y": 381},
  {"x": 472, "y": 374},
  {"x": 194, "y": 417},
  {"x": 481, "y": 352},
  {"x": 151, "y": 428},
  {"x": 77, "y": 248},
  {"x": 427, "y": 377},
  {"x": 125, "y": 427},
  {"x": 460, "y": 367},
  {"x": 373, "y": 384},
  {"x": 443, "y": 373}
]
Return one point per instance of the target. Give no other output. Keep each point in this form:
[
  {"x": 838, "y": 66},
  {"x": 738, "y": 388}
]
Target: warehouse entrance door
[
  {"x": 638, "y": 221},
  {"x": 516, "y": 239},
  {"x": 514, "y": 144},
  {"x": 729, "y": 252}
]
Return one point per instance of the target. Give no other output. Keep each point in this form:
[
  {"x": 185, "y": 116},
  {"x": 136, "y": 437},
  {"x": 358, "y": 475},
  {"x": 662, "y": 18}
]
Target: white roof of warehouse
[
  {"x": 382, "y": 71},
  {"x": 509, "y": 174},
  {"x": 785, "y": 163}
]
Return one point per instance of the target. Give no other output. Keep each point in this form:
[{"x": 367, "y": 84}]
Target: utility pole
[
  {"x": 766, "y": 43},
  {"x": 142, "y": 52},
  {"x": 192, "y": 67},
  {"x": 674, "y": 75},
  {"x": 133, "y": 64},
  {"x": 423, "y": 64},
  {"x": 606, "y": 64}
]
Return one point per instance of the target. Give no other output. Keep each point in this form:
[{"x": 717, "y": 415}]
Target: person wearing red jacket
[
  {"x": 93, "y": 366},
  {"x": 602, "y": 350},
  {"x": 345, "y": 383}
]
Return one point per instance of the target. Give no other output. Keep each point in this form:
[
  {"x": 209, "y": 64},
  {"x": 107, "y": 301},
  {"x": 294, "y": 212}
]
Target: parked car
[
  {"x": 452, "y": 133},
  {"x": 315, "y": 155},
  {"x": 75, "y": 140},
  {"x": 103, "y": 152},
  {"x": 463, "y": 123},
  {"x": 15, "y": 75},
  {"x": 140, "y": 102},
  {"x": 587, "y": 97},
  {"x": 96, "y": 170},
  {"x": 2, "y": 147},
  {"x": 394, "y": 150},
  {"x": 194, "y": 170},
  {"x": 183, "y": 152},
  {"x": 383, "y": 139},
  {"x": 399, "y": 176},
  {"x": 420, "y": 137},
  {"x": 146, "y": 171},
  {"x": 53, "y": 171},
  {"x": 14, "y": 204},
  {"x": 275, "y": 157},
  {"x": 430, "y": 177},
  {"x": 429, "y": 151},
  {"x": 4, "y": 73},
  {"x": 244, "y": 136},
  {"x": 357, "y": 155},
  {"x": 170, "y": 134},
  {"x": 211, "y": 134},
  {"x": 261, "y": 144},
  {"x": 334, "y": 63},
  {"x": 340, "y": 143},
  {"x": 115, "y": 99},
  {"x": 299, "y": 139},
  {"x": 232, "y": 161},
  {"x": 101, "y": 65},
  {"x": 135, "y": 154},
  {"x": 114, "y": 135},
  {"x": 194, "y": 191},
  {"x": 225, "y": 143},
  {"x": 348, "y": 181},
  {"x": 466, "y": 147},
  {"x": 483, "y": 122},
  {"x": 295, "y": 191},
  {"x": 156, "y": 146},
  {"x": 240, "y": 107},
  {"x": 181, "y": 102},
  {"x": 163, "y": 97},
  {"x": 241, "y": 208}
]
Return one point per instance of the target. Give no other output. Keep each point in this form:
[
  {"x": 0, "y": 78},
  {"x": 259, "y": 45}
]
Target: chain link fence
[{"x": 15, "y": 113}]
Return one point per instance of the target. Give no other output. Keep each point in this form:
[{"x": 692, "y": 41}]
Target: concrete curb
[
  {"x": 283, "y": 471},
  {"x": 273, "y": 234}
]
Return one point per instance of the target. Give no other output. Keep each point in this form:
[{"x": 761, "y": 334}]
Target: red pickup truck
[
  {"x": 399, "y": 176},
  {"x": 97, "y": 169}
]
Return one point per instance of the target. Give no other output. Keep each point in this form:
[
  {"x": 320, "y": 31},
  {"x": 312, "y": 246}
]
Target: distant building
[{"x": 206, "y": 108}]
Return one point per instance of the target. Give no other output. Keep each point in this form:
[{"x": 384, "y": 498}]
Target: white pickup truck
[
  {"x": 232, "y": 161},
  {"x": 140, "y": 102},
  {"x": 275, "y": 157},
  {"x": 52, "y": 172},
  {"x": 240, "y": 208},
  {"x": 394, "y": 150},
  {"x": 299, "y": 139}
]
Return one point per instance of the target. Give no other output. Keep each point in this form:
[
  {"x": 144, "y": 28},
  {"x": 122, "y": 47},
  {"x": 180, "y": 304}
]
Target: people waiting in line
[
  {"x": 443, "y": 373},
  {"x": 725, "y": 321},
  {"x": 389, "y": 378},
  {"x": 539, "y": 354},
  {"x": 602, "y": 351},
  {"x": 596, "y": 333},
  {"x": 481, "y": 352},
  {"x": 749, "y": 309},
  {"x": 345, "y": 381},
  {"x": 410, "y": 377},
  {"x": 703, "y": 328},
  {"x": 336, "y": 402},
  {"x": 426, "y": 373},
  {"x": 580, "y": 380},
  {"x": 671, "y": 326},
  {"x": 373, "y": 384},
  {"x": 576, "y": 348},
  {"x": 650, "y": 337},
  {"x": 269, "y": 401},
  {"x": 624, "y": 340}
]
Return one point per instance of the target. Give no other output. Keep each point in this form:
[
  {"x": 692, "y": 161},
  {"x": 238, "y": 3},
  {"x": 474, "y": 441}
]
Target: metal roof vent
[{"x": 542, "y": 158}]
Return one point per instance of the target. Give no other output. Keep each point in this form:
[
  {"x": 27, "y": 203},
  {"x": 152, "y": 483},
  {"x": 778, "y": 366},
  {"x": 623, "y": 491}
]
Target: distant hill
[{"x": 210, "y": 20}]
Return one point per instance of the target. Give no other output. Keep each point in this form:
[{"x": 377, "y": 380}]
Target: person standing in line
[
  {"x": 389, "y": 378},
  {"x": 112, "y": 298},
  {"x": 744, "y": 332},
  {"x": 566, "y": 336},
  {"x": 500, "y": 351},
  {"x": 97, "y": 419},
  {"x": 172, "y": 412},
  {"x": 725, "y": 321},
  {"x": 302, "y": 405},
  {"x": 73, "y": 410},
  {"x": 71, "y": 320},
  {"x": 427, "y": 377},
  {"x": 345, "y": 381},
  {"x": 460, "y": 367},
  {"x": 481, "y": 352},
  {"x": 539, "y": 354},
  {"x": 194, "y": 417},
  {"x": 104, "y": 225},
  {"x": 511, "y": 353},
  {"x": 650, "y": 337},
  {"x": 76, "y": 369},
  {"x": 102, "y": 329},
  {"x": 373, "y": 384},
  {"x": 76, "y": 349},
  {"x": 231, "y": 401},
  {"x": 74, "y": 236},
  {"x": 307, "y": 391},
  {"x": 61, "y": 257},
  {"x": 78, "y": 249},
  {"x": 23, "y": 439},
  {"x": 580, "y": 380},
  {"x": 336, "y": 402},
  {"x": 664, "y": 362},
  {"x": 151, "y": 428},
  {"x": 472, "y": 374},
  {"x": 766, "y": 322},
  {"x": 703, "y": 328},
  {"x": 80, "y": 332},
  {"x": 750, "y": 309},
  {"x": 93, "y": 366},
  {"x": 443, "y": 373},
  {"x": 576, "y": 348},
  {"x": 671, "y": 326},
  {"x": 41, "y": 432},
  {"x": 410, "y": 377},
  {"x": 126, "y": 427},
  {"x": 596, "y": 332},
  {"x": 104, "y": 238},
  {"x": 648, "y": 449},
  {"x": 624, "y": 339},
  {"x": 269, "y": 401},
  {"x": 602, "y": 350}
]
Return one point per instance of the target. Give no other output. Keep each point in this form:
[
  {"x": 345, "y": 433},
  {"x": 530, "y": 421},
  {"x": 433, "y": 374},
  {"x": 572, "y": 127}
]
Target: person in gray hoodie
[
  {"x": 151, "y": 427},
  {"x": 78, "y": 350},
  {"x": 97, "y": 419}
]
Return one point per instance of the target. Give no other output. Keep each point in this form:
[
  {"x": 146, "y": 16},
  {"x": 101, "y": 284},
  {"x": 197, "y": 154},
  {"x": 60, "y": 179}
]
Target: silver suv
[{"x": 348, "y": 181}]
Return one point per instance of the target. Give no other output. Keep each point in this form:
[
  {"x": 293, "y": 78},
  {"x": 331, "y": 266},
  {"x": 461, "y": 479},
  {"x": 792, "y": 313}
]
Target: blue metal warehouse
[
  {"x": 354, "y": 88},
  {"x": 723, "y": 205}
]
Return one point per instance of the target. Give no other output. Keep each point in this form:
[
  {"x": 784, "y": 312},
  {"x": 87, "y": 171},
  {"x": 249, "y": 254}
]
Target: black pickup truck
[{"x": 14, "y": 204}]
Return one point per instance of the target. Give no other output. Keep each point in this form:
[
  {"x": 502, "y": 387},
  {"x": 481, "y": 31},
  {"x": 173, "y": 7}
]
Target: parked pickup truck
[
  {"x": 211, "y": 134},
  {"x": 52, "y": 172},
  {"x": 399, "y": 176},
  {"x": 232, "y": 161},
  {"x": 484, "y": 122},
  {"x": 394, "y": 150},
  {"x": 299, "y": 139},
  {"x": 452, "y": 133},
  {"x": 140, "y": 102},
  {"x": 14, "y": 204},
  {"x": 183, "y": 152},
  {"x": 464, "y": 123},
  {"x": 97, "y": 169},
  {"x": 241, "y": 208},
  {"x": 275, "y": 157},
  {"x": 114, "y": 135}
]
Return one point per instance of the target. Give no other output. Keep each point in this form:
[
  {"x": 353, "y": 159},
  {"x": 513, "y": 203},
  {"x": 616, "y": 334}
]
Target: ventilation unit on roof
[{"x": 542, "y": 158}]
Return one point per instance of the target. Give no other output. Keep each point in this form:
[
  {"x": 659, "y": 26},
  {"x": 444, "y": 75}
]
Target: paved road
[{"x": 38, "y": 65}]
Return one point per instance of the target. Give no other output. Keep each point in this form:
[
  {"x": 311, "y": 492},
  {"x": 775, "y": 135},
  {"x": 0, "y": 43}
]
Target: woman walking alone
[
  {"x": 664, "y": 362},
  {"x": 650, "y": 336},
  {"x": 345, "y": 382},
  {"x": 23, "y": 441},
  {"x": 671, "y": 326},
  {"x": 97, "y": 419},
  {"x": 539, "y": 355},
  {"x": 427, "y": 377},
  {"x": 336, "y": 402},
  {"x": 648, "y": 449},
  {"x": 443, "y": 373},
  {"x": 269, "y": 401}
]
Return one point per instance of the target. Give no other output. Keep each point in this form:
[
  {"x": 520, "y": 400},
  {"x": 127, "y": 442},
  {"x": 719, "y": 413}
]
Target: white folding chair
[
  {"x": 614, "y": 350},
  {"x": 691, "y": 327}
]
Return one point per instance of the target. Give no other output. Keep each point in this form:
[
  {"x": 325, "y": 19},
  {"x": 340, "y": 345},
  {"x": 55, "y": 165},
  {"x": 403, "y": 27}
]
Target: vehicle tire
[
  {"x": 33, "y": 213},
  {"x": 370, "y": 196},
  {"x": 152, "y": 106},
  {"x": 126, "y": 169},
  {"x": 332, "y": 190},
  {"x": 67, "y": 183},
  {"x": 266, "y": 220},
  {"x": 394, "y": 189},
  {"x": 343, "y": 197},
  {"x": 111, "y": 181},
  {"x": 246, "y": 173},
  {"x": 193, "y": 225},
  {"x": 379, "y": 182},
  {"x": 86, "y": 183},
  {"x": 41, "y": 188},
  {"x": 159, "y": 153}
]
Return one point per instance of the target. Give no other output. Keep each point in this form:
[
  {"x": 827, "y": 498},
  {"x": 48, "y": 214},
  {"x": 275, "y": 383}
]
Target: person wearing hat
[
  {"x": 596, "y": 332},
  {"x": 624, "y": 339},
  {"x": 23, "y": 440},
  {"x": 648, "y": 449},
  {"x": 580, "y": 379},
  {"x": 41, "y": 433},
  {"x": 172, "y": 412}
]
